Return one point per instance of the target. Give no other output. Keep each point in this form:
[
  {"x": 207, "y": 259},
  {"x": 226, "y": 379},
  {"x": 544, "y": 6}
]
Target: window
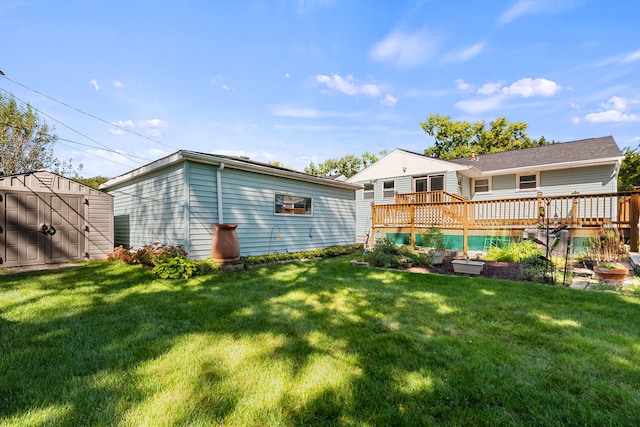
[
  {"x": 481, "y": 185},
  {"x": 368, "y": 192},
  {"x": 389, "y": 189},
  {"x": 436, "y": 182},
  {"x": 292, "y": 205},
  {"x": 422, "y": 184},
  {"x": 527, "y": 181}
]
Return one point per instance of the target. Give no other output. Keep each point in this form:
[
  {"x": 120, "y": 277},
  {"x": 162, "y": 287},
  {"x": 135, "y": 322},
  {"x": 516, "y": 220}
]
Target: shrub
[
  {"x": 433, "y": 238},
  {"x": 208, "y": 266},
  {"x": 330, "y": 251},
  {"x": 121, "y": 254},
  {"x": 149, "y": 255},
  {"x": 386, "y": 253},
  {"x": 514, "y": 252},
  {"x": 175, "y": 268}
]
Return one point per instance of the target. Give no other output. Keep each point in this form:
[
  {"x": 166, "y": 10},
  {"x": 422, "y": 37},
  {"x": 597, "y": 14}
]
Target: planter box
[
  {"x": 359, "y": 263},
  {"x": 466, "y": 266}
]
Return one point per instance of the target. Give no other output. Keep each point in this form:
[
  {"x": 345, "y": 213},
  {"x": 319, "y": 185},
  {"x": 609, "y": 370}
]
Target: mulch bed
[{"x": 493, "y": 269}]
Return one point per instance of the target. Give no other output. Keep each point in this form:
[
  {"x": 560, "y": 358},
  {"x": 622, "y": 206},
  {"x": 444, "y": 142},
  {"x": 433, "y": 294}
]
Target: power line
[
  {"x": 88, "y": 114},
  {"x": 126, "y": 156}
]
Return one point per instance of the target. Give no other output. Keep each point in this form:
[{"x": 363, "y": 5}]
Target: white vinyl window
[
  {"x": 482, "y": 185},
  {"x": 527, "y": 181},
  {"x": 368, "y": 192},
  {"x": 389, "y": 189},
  {"x": 292, "y": 205}
]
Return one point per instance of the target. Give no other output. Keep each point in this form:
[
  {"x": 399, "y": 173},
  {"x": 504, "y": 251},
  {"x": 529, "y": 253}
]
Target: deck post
[
  {"x": 634, "y": 221},
  {"x": 465, "y": 227},
  {"x": 413, "y": 227}
]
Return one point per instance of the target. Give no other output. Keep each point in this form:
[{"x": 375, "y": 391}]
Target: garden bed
[{"x": 493, "y": 269}]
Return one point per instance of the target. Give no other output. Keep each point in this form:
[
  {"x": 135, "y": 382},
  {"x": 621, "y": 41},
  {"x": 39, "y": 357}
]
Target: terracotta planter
[
  {"x": 225, "y": 248},
  {"x": 466, "y": 266},
  {"x": 606, "y": 274}
]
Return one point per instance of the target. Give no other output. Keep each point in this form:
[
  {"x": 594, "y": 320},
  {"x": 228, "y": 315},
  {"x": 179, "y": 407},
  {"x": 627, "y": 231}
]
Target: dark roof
[{"x": 584, "y": 150}]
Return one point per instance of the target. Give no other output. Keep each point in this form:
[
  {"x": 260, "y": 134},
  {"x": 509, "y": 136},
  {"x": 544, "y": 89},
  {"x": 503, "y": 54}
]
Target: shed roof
[
  {"x": 584, "y": 152},
  {"x": 234, "y": 162}
]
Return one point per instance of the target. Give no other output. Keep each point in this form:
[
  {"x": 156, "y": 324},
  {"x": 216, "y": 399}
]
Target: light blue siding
[
  {"x": 203, "y": 208},
  {"x": 585, "y": 180},
  {"x": 152, "y": 207},
  {"x": 249, "y": 201}
]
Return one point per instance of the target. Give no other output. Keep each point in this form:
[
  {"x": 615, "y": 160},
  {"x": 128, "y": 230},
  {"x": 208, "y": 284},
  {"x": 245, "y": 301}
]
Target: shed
[
  {"x": 47, "y": 219},
  {"x": 177, "y": 200}
]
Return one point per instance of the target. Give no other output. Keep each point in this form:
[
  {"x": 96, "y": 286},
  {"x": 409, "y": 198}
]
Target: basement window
[{"x": 287, "y": 204}]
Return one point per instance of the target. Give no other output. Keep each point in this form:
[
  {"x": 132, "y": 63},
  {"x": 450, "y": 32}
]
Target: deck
[{"x": 414, "y": 212}]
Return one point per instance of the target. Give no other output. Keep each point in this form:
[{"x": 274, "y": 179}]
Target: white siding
[{"x": 203, "y": 208}]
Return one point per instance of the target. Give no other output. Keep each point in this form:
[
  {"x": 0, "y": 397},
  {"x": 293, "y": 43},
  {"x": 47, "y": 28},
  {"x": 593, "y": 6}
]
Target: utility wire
[
  {"x": 126, "y": 156},
  {"x": 2, "y": 75},
  {"x": 89, "y": 152}
]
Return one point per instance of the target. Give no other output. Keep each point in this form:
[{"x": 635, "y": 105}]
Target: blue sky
[{"x": 294, "y": 81}]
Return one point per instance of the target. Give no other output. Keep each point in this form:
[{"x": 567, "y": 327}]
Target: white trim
[
  {"x": 489, "y": 183},
  {"x": 536, "y": 188}
]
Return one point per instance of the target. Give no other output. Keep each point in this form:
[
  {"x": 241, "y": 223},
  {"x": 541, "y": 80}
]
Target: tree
[
  {"x": 93, "y": 182},
  {"x": 26, "y": 142},
  {"x": 456, "y": 139},
  {"x": 348, "y": 165},
  {"x": 629, "y": 175}
]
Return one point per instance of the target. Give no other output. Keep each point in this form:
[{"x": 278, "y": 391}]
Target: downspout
[{"x": 219, "y": 192}]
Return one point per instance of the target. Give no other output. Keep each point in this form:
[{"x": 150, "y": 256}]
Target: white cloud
[
  {"x": 152, "y": 127},
  {"x": 481, "y": 105},
  {"x": 536, "y": 7},
  {"x": 347, "y": 86},
  {"x": 389, "y": 100},
  {"x": 530, "y": 87},
  {"x": 465, "y": 54},
  {"x": 287, "y": 75},
  {"x": 490, "y": 88},
  {"x": 117, "y": 84},
  {"x": 634, "y": 56},
  {"x": 576, "y": 120},
  {"x": 95, "y": 84},
  {"x": 405, "y": 50},
  {"x": 614, "y": 111},
  {"x": 462, "y": 85}
]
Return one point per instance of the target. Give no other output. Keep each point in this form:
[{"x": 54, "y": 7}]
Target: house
[
  {"x": 177, "y": 200},
  {"x": 588, "y": 166},
  {"x": 47, "y": 218}
]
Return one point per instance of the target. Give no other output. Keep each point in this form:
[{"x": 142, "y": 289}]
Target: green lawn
[{"x": 312, "y": 343}]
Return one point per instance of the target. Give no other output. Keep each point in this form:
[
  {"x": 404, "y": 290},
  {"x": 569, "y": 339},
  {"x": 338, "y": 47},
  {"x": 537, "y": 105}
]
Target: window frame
[
  {"x": 537, "y": 181},
  {"x": 293, "y": 211},
  {"x": 385, "y": 190},
  {"x": 368, "y": 194},
  {"x": 475, "y": 188}
]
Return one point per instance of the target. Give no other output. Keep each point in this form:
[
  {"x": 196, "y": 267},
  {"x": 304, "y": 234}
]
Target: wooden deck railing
[{"x": 441, "y": 209}]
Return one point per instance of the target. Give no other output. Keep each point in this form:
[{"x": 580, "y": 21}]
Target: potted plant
[
  {"x": 434, "y": 239},
  {"x": 607, "y": 251},
  {"x": 608, "y": 272}
]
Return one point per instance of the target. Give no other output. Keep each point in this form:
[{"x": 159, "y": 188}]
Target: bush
[
  {"x": 150, "y": 255},
  {"x": 175, "y": 268},
  {"x": 330, "y": 251},
  {"x": 386, "y": 253},
  {"x": 208, "y": 266},
  {"x": 514, "y": 252}
]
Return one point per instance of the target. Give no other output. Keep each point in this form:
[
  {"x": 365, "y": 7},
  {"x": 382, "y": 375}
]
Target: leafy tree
[
  {"x": 456, "y": 139},
  {"x": 348, "y": 165},
  {"x": 629, "y": 175},
  {"x": 26, "y": 142},
  {"x": 93, "y": 182}
]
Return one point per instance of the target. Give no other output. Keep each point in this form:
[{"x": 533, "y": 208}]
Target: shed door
[
  {"x": 21, "y": 237},
  {"x": 65, "y": 216}
]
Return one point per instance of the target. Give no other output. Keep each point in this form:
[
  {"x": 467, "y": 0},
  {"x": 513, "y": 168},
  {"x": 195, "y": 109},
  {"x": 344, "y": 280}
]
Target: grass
[{"x": 312, "y": 343}]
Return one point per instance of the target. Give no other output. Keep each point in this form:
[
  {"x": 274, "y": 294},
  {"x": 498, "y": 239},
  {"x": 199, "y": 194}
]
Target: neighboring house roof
[
  {"x": 401, "y": 162},
  {"x": 585, "y": 152},
  {"x": 233, "y": 162}
]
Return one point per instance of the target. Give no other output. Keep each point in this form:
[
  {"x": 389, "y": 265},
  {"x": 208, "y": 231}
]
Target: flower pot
[
  {"x": 407, "y": 264},
  {"x": 436, "y": 257},
  {"x": 611, "y": 274},
  {"x": 465, "y": 266}
]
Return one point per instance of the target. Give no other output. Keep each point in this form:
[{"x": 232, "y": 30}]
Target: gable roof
[
  {"x": 585, "y": 152},
  {"x": 232, "y": 162},
  {"x": 401, "y": 162}
]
